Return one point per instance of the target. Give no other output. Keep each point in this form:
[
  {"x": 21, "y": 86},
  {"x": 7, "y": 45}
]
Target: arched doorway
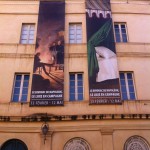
[
  {"x": 14, "y": 144},
  {"x": 77, "y": 144},
  {"x": 136, "y": 143}
]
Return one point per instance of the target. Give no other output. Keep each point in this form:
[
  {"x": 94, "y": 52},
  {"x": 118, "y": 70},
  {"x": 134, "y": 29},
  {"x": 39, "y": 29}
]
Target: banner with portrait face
[
  {"x": 102, "y": 60},
  {"x": 48, "y": 70}
]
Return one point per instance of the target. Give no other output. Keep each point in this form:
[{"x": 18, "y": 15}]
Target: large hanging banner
[
  {"x": 48, "y": 72},
  {"x": 102, "y": 61}
]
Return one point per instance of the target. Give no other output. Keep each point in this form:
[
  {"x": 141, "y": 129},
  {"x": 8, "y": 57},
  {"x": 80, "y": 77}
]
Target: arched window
[
  {"x": 77, "y": 144},
  {"x": 14, "y": 144},
  {"x": 101, "y": 15},
  {"x": 94, "y": 15},
  {"x": 108, "y": 16},
  {"x": 136, "y": 143}
]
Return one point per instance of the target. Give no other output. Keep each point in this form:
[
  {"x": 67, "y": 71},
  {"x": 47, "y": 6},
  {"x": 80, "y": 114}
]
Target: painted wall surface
[
  {"x": 100, "y": 135},
  {"x": 20, "y": 57},
  {"x": 132, "y": 56}
]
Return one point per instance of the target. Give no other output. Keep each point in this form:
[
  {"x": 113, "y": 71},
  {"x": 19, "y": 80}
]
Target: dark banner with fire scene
[
  {"x": 102, "y": 61},
  {"x": 48, "y": 70}
]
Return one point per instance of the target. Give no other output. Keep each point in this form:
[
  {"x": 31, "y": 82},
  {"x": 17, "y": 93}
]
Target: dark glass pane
[
  {"x": 14, "y": 145},
  {"x": 72, "y": 77},
  {"x": 25, "y": 91},
  {"x": 116, "y": 31},
  {"x": 123, "y": 89},
  {"x": 24, "y": 98},
  {"x": 20, "y": 146},
  {"x": 15, "y": 98},
  {"x": 129, "y": 75},
  {"x": 132, "y": 96},
  {"x": 116, "y": 26},
  {"x": 80, "y": 83},
  {"x": 124, "y": 96},
  {"x": 122, "y": 82},
  {"x": 72, "y": 83},
  {"x": 80, "y": 97},
  {"x": 9, "y": 146},
  {"x": 123, "y": 31},
  {"x": 16, "y": 90},
  {"x": 122, "y": 76},
  {"x": 72, "y": 97},
  {"x": 26, "y": 77},
  {"x": 80, "y": 89},
  {"x": 123, "y": 26},
  {"x": 118, "y": 38},
  {"x": 131, "y": 89},
  {"x": 79, "y": 76},
  {"x": 18, "y": 77},
  {"x": 124, "y": 38},
  {"x": 72, "y": 90},
  {"x": 130, "y": 82},
  {"x": 17, "y": 83},
  {"x": 25, "y": 84}
]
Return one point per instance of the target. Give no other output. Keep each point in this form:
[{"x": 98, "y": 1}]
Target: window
[
  {"x": 20, "y": 89},
  {"x": 76, "y": 87},
  {"x": 14, "y": 144},
  {"x": 120, "y": 32},
  {"x": 127, "y": 86},
  {"x": 136, "y": 143},
  {"x": 27, "y": 34},
  {"x": 77, "y": 144},
  {"x": 75, "y": 33}
]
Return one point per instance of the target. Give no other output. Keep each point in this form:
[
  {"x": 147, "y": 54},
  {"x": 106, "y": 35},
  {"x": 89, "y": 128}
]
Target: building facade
[{"x": 75, "y": 124}]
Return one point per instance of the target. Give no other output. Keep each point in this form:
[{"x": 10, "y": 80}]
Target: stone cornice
[
  {"x": 132, "y": 43},
  {"x": 104, "y": 129},
  {"x": 27, "y": 51},
  {"x": 79, "y": 13},
  {"x": 14, "y": 55},
  {"x": 75, "y": 55},
  {"x": 112, "y": 1},
  {"x": 133, "y": 54},
  {"x": 41, "y": 117}
]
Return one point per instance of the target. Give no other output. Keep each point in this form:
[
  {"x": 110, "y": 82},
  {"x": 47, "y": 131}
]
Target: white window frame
[
  {"x": 76, "y": 87},
  {"x": 28, "y": 35},
  {"x": 120, "y": 32},
  {"x": 21, "y": 87},
  {"x": 74, "y": 27},
  {"x": 127, "y": 85}
]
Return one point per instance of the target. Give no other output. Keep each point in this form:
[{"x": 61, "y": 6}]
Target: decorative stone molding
[
  {"x": 106, "y": 131},
  {"x": 52, "y": 118},
  {"x": 136, "y": 143},
  {"x": 77, "y": 144},
  {"x": 133, "y": 54},
  {"x": 14, "y": 55}
]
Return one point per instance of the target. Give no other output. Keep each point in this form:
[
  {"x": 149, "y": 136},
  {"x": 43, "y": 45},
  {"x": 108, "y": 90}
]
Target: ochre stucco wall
[{"x": 132, "y": 56}]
